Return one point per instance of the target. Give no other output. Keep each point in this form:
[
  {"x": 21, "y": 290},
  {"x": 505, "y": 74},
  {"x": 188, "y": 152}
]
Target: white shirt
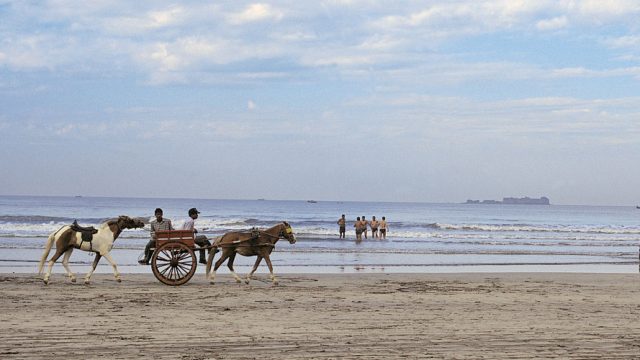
[{"x": 188, "y": 224}]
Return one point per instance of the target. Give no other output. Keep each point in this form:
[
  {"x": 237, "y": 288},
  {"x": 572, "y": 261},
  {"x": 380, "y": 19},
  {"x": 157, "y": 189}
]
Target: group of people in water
[{"x": 362, "y": 226}]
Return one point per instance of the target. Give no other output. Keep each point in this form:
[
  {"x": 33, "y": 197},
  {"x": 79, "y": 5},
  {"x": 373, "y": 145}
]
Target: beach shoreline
[{"x": 461, "y": 315}]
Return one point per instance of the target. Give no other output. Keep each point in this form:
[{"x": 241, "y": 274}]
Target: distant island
[{"x": 513, "y": 201}]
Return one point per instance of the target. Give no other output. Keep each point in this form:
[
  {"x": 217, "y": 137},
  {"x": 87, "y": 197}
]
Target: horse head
[
  {"x": 287, "y": 232},
  {"x": 125, "y": 222}
]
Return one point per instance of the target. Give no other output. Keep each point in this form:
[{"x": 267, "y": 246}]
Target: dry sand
[{"x": 382, "y": 316}]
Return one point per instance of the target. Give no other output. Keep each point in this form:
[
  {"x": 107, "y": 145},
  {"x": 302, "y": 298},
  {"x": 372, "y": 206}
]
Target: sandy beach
[{"x": 518, "y": 315}]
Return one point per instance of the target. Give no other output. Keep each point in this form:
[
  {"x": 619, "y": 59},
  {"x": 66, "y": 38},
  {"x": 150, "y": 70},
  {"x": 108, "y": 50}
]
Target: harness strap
[
  {"x": 89, "y": 241},
  {"x": 244, "y": 245}
]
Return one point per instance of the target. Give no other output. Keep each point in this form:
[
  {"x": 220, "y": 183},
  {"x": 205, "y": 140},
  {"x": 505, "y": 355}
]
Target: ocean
[{"x": 422, "y": 237}]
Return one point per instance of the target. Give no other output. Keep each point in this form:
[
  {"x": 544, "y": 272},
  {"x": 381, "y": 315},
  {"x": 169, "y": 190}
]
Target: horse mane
[{"x": 114, "y": 221}]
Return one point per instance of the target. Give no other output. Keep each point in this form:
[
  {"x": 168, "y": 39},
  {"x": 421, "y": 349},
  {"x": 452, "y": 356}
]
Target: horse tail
[{"x": 47, "y": 249}]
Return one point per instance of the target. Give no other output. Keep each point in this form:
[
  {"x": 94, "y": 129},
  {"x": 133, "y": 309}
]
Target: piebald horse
[
  {"x": 66, "y": 240},
  {"x": 250, "y": 243}
]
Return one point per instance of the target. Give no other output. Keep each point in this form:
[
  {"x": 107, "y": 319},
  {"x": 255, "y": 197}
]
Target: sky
[{"x": 346, "y": 100}]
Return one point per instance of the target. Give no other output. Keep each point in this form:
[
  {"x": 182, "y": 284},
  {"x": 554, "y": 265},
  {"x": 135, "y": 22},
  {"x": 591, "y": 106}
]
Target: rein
[
  {"x": 266, "y": 233},
  {"x": 259, "y": 233}
]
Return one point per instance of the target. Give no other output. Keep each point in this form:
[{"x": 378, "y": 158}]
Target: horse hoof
[
  {"x": 46, "y": 282},
  {"x": 275, "y": 282},
  {"x": 119, "y": 280},
  {"x": 73, "y": 280},
  {"x": 246, "y": 281},
  {"x": 212, "y": 282},
  {"x": 87, "y": 282}
]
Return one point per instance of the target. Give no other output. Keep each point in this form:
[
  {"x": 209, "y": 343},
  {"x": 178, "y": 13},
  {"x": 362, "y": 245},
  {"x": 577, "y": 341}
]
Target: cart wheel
[{"x": 174, "y": 263}]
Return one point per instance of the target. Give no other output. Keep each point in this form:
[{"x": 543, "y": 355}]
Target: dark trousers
[
  {"x": 147, "y": 250},
  {"x": 201, "y": 241}
]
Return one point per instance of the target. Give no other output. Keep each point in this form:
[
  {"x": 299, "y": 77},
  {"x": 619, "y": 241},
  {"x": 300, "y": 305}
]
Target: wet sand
[{"x": 382, "y": 316}]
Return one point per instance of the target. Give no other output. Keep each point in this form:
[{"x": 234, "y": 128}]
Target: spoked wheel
[{"x": 174, "y": 263}]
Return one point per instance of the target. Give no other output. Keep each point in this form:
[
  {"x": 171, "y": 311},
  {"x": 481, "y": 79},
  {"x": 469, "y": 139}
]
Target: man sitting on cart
[
  {"x": 201, "y": 240},
  {"x": 156, "y": 225}
]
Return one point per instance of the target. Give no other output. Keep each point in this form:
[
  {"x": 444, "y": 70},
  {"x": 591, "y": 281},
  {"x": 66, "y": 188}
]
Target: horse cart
[{"x": 174, "y": 260}]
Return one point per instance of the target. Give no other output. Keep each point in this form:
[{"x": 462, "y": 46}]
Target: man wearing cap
[{"x": 201, "y": 240}]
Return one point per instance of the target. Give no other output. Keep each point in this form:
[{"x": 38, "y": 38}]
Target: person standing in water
[
  {"x": 383, "y": 228},
  {"x": 342, "y": 222},
  {"x": 358, "y": 226},
  {"x": 364, "y": 226},
  {"x": 374, "y": 227}
]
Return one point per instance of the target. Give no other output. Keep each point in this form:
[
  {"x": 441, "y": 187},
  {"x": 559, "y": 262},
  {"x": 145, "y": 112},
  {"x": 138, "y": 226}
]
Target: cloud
[
  {"x": 150, "y": 21},
  {"x": 473, "y": 16},
  {"x": 185, "y": 53},
  {"x": 581, "y": 72},
  {"x": 553, "y": 23},
  {"x": 572, "y": 72},
  {"x": 192, "y": 42},
  {"x": 603, "y": 10},
  {"x": 256, "y": 13},
  {"x": 251, "y": 105},
  {"x": 628, "y": 41},
  {"x": 24, "y": 52}
]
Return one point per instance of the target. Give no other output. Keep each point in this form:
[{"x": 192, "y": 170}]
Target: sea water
[{"x": 422, "y": 237}]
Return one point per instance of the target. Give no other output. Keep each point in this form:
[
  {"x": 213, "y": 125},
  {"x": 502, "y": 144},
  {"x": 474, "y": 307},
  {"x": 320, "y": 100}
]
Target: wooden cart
[{"x": 174, "y": 259}]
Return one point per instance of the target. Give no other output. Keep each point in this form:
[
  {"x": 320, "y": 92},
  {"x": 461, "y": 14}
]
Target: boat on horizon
[{"x": 312, "y": 201}]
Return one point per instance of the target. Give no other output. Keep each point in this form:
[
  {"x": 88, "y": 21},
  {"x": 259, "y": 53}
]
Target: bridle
[{"x": 286, "y": 233}]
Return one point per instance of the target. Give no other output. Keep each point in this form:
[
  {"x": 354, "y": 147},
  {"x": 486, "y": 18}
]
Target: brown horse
[
  {"x": 66, "y": 239},
  {"x": 250, "y": 243}
]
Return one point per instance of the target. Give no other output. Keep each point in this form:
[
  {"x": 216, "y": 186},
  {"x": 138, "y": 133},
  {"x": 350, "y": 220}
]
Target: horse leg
[
  {"x": 223, "y": 257},
  {"x": 230, "y": 266},
  {"x": 255, "y": 267},
  {"x": 54, "y": 258},
  {"x": 65, "y": 263},
  {"x": 212, "y": 253},
  {"x": 87, "y": 278},
  {"x": 273, "y": 276},
  {"x": 115, "y": 267}
]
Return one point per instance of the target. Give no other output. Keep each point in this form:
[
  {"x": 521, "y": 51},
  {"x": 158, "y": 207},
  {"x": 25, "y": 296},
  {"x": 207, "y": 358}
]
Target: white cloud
[
  {"x": 552, "y": 24},
  {"x": 381, "y": 43},
  {"x": 581, "y": 72},
  {"x": 150, "y": 21},
  {"x": 295, "y": 36},
  {"x": 261, "y": 75},
  {"x": 64, "y": 129},
  {"x": 182, "y": 53},
  {"x": 165, "y": 17},
  {"x": 32, "y": 51},
  {"x": 474, "y": 16},
  {"x": 604, "y": 10},
  {"x": 572, "y": 72},
  {"x": 315, "y": 59},
  {"x": 251, "y": 105},
  {"x": 628, "y": 41},
  {"x": 255, "y": 13}
]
